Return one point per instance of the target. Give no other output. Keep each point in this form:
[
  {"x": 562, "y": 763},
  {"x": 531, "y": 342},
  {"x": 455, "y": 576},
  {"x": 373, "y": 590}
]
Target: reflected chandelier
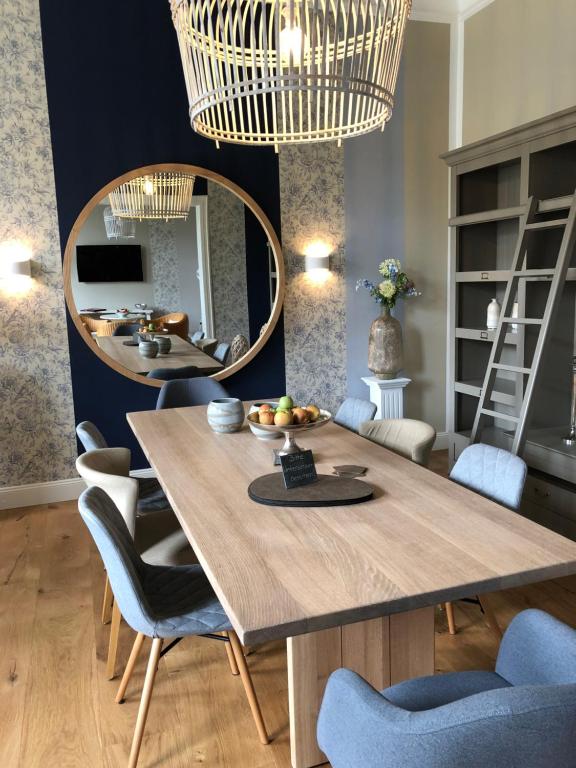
[
  {"x": 116, "y": 227},
  {"x": 268, "y": 72},
  {"x": 166, "y": 195}
]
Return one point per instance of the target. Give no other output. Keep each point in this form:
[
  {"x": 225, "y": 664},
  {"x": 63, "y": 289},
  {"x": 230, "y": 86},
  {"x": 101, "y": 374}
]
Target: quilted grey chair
[
  {"x": 168, "y": 374},
  {"x": 159, "y": 602},
  {"x": 151, "y": 497},
  {"x": 158, "y": 535},
  {"x": 182, "y": 393},
  {"x": 196, "y": 336},
  {"x": 126, "y": 329},
  {"x": 353, "y": 412},
  {"x": 498, "y": 475},
  {"x": 522, "y": 715},
  {"x": 221, "y": 352}
]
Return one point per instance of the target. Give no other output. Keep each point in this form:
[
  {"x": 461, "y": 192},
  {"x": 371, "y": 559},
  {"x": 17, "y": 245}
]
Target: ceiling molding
[{"x": 446, "y": 11}]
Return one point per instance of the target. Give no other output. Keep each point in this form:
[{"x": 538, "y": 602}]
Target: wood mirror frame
[{"x": 211, "y": 176}]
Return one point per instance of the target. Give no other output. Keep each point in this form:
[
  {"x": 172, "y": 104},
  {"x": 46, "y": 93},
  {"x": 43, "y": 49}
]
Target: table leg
[{"x": 384, "y": 651}]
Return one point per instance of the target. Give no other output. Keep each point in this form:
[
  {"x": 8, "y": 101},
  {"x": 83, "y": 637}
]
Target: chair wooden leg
[
  {"x": 107, "y": 602},
  {"x": 450, "y": 617},
  {"x": 490, "y": 616},
  {"x": 231, "y": 658},
  {"x": 134, "y": 653},
  {"x": 113, "y": 642},
  {"x": 145, "y": 701},
  {"x": 248, "y": 687}
]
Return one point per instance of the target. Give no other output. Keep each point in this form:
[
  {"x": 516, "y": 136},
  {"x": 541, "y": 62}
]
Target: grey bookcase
[{"x": 491, "y": 182}]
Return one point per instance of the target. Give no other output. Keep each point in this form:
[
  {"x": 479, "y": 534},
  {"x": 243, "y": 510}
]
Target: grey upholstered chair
[
  {"x": 181, "y": 393},
  {"x": 353, "y": 412},
  {"x": 151, "y": 497},
  {"x": 221, "y": 352},
  {"x": 159, "y": 602},
  {"x": 410, "y": 438},
  {"x": 157, "y": 534},
  {"x": 498, "y": 475},
  {"x": 126, "y": 329},
  {"x": 169, "y": 374},
  {"x": 522, "y": 714},
  {"x": 196, "y": 336}
]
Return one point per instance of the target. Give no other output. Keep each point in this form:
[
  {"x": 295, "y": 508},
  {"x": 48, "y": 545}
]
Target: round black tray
[{"x": 326, "y": 491}]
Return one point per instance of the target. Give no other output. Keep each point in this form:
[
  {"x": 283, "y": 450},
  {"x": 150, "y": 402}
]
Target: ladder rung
[
  {"x": 511, "y": 368},
  {"x": 547, "y": 224},
  {"x": 534, "y": 273},
  {"x": 523, "y": 320},
  {"x": 498, "y": 415}
]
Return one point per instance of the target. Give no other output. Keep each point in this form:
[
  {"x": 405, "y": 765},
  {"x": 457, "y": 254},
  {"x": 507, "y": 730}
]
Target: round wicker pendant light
[
  {"x": 116, "y": 227},
  {"x": 165, "y": 195},
  {"x": 270, "y": 72}
]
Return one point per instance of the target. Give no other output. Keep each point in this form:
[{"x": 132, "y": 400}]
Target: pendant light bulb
[
  {"x": 293, "y": 41},
  {"x": 148, "y": 186}
]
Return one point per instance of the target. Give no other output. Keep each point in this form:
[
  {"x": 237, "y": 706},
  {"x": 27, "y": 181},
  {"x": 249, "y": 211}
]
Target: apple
[
  {"x": 285, "y": 403},
  {"x": 265, "y": 407},
  {"x": 300, "y": 415},
  {"x": 314, "y": 412},
  {"x": 266, "y": 417},
  {"x": 283, "y": 418}
]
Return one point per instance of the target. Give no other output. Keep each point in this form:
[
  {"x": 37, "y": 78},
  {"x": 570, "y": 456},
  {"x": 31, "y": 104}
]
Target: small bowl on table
[{"x": 268, "y": 433}]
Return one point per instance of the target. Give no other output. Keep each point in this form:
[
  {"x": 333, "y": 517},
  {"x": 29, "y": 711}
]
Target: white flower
[
  {"x": 387, "y": 289},
  {"x": 387, "y": 265}
]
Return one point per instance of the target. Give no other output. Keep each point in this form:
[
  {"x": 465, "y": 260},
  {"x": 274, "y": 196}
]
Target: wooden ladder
[{"x": 528, "y": 229}]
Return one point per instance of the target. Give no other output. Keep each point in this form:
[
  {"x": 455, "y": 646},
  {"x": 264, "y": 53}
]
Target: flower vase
[{"x": 385, "y": 354}]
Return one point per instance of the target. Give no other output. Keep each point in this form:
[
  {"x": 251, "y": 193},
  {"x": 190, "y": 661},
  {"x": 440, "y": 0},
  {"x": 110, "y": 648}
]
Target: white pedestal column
[{"x": 387, "y": 395}]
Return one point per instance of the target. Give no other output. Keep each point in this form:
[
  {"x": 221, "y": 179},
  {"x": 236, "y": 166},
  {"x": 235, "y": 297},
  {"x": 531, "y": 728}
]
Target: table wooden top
[
  {"x": 282, "y": 571},
  {"x": 181, "y": 354}
]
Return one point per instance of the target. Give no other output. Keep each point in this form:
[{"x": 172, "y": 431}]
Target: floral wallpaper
[
  {"x": 37, "y": 441},
  {"x": 312, "y": 209},
  {"x": 165, "y": 269},
  {"x": 227, "y": 244}
]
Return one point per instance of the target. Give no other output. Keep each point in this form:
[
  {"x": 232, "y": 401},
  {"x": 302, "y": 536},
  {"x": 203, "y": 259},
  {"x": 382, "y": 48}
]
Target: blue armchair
[{"x": 523, "y": 715}]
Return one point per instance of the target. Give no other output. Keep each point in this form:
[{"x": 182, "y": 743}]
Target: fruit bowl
[
  {"x": 263, "y": 432},
  {"x": 290, "y": 430}
]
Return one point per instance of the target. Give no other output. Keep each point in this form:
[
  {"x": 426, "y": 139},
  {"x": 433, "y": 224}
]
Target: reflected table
[
  {"x": 350, "y": 586},
  {"x": 182, "y": 353}
]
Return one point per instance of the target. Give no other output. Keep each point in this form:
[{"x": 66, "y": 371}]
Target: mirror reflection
[{"x": 173, "y": 276}]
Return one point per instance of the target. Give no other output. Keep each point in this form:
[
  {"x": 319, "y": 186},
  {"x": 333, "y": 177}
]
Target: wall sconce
[
  {"x": 15, "y": 266},
  {"x": 317, "y": 261}
]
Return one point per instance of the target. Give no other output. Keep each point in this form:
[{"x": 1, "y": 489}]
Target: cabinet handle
[
  {"x": 485, "y": 276},
  {"x": 483, "y": 334},
  {"x": 543, "y": 494}
]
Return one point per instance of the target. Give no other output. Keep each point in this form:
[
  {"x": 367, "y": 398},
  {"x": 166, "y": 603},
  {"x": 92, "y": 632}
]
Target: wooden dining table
[
  {"x": 181, "y": 354},
  {"x": 351, "y": 586}
]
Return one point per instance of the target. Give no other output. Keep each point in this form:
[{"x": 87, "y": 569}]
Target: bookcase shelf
[{"x": 491, "y": 183}]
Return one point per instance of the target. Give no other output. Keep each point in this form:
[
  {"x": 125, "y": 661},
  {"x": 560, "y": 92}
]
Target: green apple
[{"x": 285, "y": 403}]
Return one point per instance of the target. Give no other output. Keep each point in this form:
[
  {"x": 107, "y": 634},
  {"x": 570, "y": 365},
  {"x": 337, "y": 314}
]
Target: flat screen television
[{"x": 109, "y": 263}]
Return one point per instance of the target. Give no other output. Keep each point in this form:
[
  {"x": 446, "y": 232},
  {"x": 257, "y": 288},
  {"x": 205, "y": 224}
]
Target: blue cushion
[
  {"x": 491, "y": 472},
  {"x": 437, "y": 690}
]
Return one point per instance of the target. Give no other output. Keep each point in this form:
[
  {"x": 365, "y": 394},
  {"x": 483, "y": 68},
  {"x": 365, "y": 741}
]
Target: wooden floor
[{"x": 57, "y": 709}]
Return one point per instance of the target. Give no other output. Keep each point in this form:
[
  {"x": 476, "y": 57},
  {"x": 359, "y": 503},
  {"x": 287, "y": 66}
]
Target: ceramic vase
[
  {"x": 226, "y": 414},
  {"x": 148, "y": 348},
  {"x": 385, "y": 353},
  {"x": 164, "y": 344},
  {"x": 492, "y": 315}
]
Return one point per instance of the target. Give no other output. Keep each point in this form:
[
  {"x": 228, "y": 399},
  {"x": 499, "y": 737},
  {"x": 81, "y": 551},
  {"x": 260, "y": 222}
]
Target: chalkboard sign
[{"x": 298, "y": 469}]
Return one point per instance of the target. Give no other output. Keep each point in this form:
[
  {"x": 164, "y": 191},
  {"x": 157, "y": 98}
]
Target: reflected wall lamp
[
  {"x": 162, "y": 196},
  {"x": 270, "y": 72}
]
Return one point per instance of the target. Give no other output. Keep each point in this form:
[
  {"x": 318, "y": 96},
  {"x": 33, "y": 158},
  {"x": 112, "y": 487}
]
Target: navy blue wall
[{"x": 117, "y": 101}]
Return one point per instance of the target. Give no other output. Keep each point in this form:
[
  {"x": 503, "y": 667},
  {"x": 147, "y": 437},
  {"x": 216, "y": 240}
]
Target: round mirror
[{"x": 172, "y": 271}]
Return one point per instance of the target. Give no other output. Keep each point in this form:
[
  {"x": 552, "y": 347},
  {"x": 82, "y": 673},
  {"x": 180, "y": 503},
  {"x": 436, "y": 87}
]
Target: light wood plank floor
[{"x": 57, "y": 709}]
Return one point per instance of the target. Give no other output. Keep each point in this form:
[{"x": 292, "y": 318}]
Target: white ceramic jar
[
  {"x": 225, "y": 414},
  {"x": 493, "y": 315}
]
